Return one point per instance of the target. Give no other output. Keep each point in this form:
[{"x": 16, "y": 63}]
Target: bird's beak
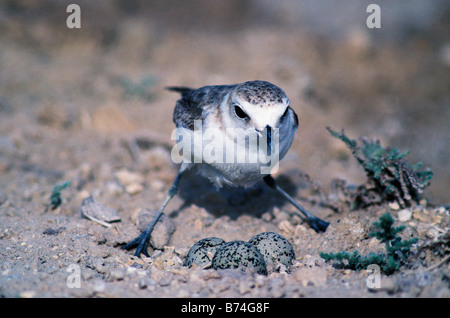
[
  {"x": 268, "y": 133},
  {"x": 269, "y": 140}
]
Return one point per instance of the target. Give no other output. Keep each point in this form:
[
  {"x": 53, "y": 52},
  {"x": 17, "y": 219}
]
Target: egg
[
  {"x": 239, "y": 255},
  {"x": 275, "y": 249},
  {"x": 201, "y": 253}
]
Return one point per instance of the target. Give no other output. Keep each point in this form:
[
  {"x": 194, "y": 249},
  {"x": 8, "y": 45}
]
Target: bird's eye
[{"x": 240, "y": 113}]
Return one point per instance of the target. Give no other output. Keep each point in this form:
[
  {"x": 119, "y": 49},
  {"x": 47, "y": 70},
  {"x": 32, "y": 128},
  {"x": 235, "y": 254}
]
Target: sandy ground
[{"x": 89, "y": 106}]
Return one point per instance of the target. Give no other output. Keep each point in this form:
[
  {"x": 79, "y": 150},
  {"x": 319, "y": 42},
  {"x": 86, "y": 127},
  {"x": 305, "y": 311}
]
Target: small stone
[
  {"x": 134, "y": 188},
  {"x": 239, "y": 255},
  {"x": 144, "y": 283},
  {"x": 246, "y": 286},
  {"x": 306, "y": 276},
  {"x": 432, "y": 233},
  {"x": 126, "y": 177},
  {"x": 165, "y": 281},
  {"x": 394, "y": 205},
  {"x": 183, "y": 293},
  {"x": 50, "y": 231},
  {"x": 131, "y": 271},
  {"x": 116, "y": 275},
  {"x": 438, "y": 210},
  {"x": 387, "y": 284},
  {"x": 54, "y": 116},
  {"x": 91, "y": 208},
  {"x": 157, "y": 185},
  {"x": 404, "y": 215},
  {"x": 267, "y": 216},
  {"x": 165, "y": 259},
  {"x": 113, "y": 188},
  {"x": 423, "y": 202},
  {"x": 286, "y": 226},
  {"x": 134, "y": 261}
]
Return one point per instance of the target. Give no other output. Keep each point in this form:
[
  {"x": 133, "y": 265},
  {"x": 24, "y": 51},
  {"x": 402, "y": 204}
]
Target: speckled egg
[
  {"x": 201, "y": 253},
  {"x": 275, "y": 249},
  {"x": 239, "y": 255}
]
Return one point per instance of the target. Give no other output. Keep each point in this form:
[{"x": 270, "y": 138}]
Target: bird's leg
[
  {"x": 142, "y": 240},
  {"x": 316, "y": 223}
]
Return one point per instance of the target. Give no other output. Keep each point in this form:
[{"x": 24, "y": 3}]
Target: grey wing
[
  {"x": 194, "y": 102},
  {"x": 186, "y": 113},
  {"x": 295, "y": 117}
]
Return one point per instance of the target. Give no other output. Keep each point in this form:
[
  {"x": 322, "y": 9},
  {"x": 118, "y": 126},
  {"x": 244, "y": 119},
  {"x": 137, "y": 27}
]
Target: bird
[{"x": 253, "y": 118}]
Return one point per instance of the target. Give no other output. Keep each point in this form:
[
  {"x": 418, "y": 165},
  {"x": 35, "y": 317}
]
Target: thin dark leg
[
  {"x": 317, "y": 224},
  {"x": 142, "y": 240}
]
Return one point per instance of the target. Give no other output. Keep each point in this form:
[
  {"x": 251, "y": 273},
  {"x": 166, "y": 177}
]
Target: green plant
[
  {"x": 140, "y": 89},
  {"x": 390, "y": 176},
  {"x": 397, "y": 250},
  {"x": 55, "y": 197}
]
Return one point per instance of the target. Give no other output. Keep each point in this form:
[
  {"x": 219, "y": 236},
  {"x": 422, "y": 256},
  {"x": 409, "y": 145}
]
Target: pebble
[
  {"x": 126, "y": 177},
  {"x": 131, "y": 271},
  {"x": 134, "y": 188},
  {"x": 53, "y": 115},
  {"x": 95, "y": 209},
  {"x": 314, "y": 276},
  {"x": 286, "y": 226},
  {"x": 246, "y": 286},
  {"x": 432, "y": 233},
  {"x": 394, "y": 205},
  {"x": 144, "y": 283},
  {"x": 404, "y": 215},
  {"x": 239, "y": 255},
  {"x": 116, "y": 275}
]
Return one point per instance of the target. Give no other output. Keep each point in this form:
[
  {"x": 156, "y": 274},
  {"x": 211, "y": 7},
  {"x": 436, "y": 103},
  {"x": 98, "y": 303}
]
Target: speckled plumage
[{"x": 260, "y": 93}]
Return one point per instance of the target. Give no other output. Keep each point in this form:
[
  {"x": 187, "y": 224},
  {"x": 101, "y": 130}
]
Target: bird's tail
[{"x": 180, "y": 89}]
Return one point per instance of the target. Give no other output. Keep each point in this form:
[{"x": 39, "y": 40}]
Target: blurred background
[{"x": 61, "y": 87}]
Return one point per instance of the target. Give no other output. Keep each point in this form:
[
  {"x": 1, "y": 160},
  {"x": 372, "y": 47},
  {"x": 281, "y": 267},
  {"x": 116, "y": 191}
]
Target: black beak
[{"x": 269, "y": 140}]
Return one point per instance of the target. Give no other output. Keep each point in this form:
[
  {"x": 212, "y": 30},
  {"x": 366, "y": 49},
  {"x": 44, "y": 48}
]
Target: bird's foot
[
  {"x": 318, "y": 225},
  {"x": 141, "y": 242}
]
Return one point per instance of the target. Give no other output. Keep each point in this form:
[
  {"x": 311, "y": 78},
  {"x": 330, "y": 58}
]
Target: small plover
[{"x": 243, "y": 118}]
